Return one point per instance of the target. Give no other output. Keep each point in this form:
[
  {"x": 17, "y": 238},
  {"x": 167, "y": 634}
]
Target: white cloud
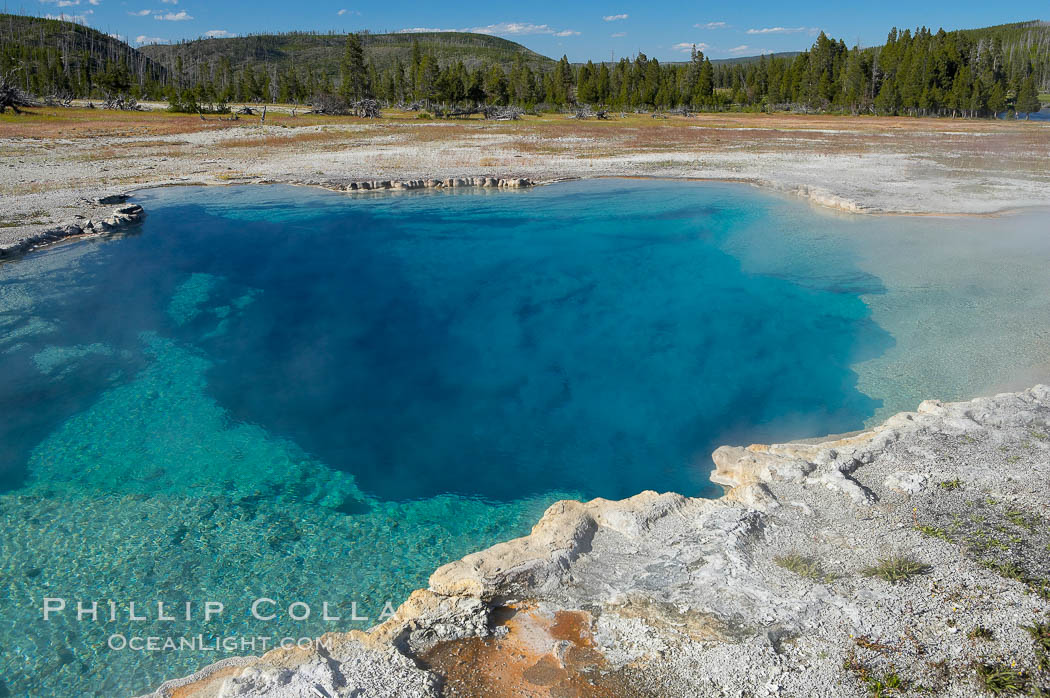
[
  {"x": 521, "y": 29},
  {"x": 143, "y": 39},
  {"x": 139, "y": 13},
  {"x": 218, "y": 34},
  {"x": 341, "y": 12},
  {"x": 781, "y": 30},
  {"x": 170, "y": 2},
  {"x": 711, "y": 25},
  {"x": 744, "y": 48},
  {"x": 95, "y": 2},
  {"x": 614, "y": 18},
  {"x": 618, "y": 35},
  {"x": 77, "y": 19},
  {"x": 179, "y": 16},
  {"x": 687, "y": 47},
  {"x": 502, "y": 28}
]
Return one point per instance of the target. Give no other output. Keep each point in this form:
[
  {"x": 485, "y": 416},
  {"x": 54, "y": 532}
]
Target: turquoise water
[{"x": 294, "y": 394}]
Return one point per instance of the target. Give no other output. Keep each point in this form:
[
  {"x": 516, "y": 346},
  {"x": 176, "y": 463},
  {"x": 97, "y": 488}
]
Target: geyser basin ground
[{"x": 290, "y": 393}]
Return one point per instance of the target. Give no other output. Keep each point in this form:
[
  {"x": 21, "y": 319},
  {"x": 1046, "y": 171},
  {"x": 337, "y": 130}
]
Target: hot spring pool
[{"x": 294, "y": 394}]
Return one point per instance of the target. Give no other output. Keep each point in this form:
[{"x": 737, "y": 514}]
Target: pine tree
[
  {"x": 705, "y": 84},
  {"x": 854, "y": 81},
  {"x": 585, "y": 84},
  {"x": 116, "y": 80},
  {"x": 496, "y": 85},
  {"x": 561, "y": 87},
  {"x": 602, "y": 84},
  {"x": 996, "y": 99},
  {"x": 1028, "y": 98},
  {"x": 355, "y": 85}
]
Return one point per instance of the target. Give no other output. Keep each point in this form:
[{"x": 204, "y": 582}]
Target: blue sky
[{"x": 582, "y": 30}]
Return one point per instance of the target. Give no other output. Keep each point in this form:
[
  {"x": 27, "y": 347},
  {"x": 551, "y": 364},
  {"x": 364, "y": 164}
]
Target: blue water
[
  {"x": 495, "y": 346},
  {"x": 1041, "y": 115},
  {"x": 299, "y": 394}
]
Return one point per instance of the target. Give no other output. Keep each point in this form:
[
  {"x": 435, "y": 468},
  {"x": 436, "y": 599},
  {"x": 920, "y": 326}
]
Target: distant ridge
[
  {"x": 737, "y": 60},
  {"x": 743, "y": 60},
  {"x": 83, "y": 53},
  {"x": 323, "y": 53}
]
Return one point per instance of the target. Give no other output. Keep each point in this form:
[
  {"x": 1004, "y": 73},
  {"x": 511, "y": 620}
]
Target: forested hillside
[
  {"x": 922, "y": 73},
  {"x": 296, "y": 66},
  {"x": 323, "y": 53},
  {"x": 53, "y": 57},
  {"x": 974, "y": 73}
]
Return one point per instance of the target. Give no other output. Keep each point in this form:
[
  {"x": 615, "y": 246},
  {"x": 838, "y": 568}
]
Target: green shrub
[
  {"x": 981, "y": 633},
  {"x": 803, "y": 566},
  {"x": 895, "y": 569},
  {"x": 999, "y": 679}
]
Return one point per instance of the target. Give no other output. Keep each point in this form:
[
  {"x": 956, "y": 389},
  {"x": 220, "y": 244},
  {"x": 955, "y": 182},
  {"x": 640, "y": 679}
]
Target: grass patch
[
  {"x": 1040, "y": 633},
  {"x": 1000, "y": 680},
  {"x": 806, "y": 567},
  {"x": 981, "y": 633},
  {"x": 1007, "y": 569},
  {"x": 896, "y": 569},
  {"x": 1010, "y": 540},
  {"x": 878, "y": 685},
  {"x": 1040, "y": 586},
  {"x": 955, "y": 484},
  {"x": 32, "y": 218},
  {"x": 1021, "y": 520},
  {"x": 889, "y": 684},
  {"x": 934, "y": 532}
]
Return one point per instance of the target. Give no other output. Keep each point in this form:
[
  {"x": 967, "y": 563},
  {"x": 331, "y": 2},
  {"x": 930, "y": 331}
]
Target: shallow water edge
[{"x": 115, "y": 221}]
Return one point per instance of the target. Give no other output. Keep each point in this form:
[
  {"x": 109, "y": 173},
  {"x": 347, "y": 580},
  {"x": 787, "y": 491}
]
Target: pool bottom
[{"x": 294, "y": 531}]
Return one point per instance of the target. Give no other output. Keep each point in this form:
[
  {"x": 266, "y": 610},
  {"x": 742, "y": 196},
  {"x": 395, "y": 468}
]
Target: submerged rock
[
  {"x": 111, "y": 199},
  {"x": 120, "y": 218}
]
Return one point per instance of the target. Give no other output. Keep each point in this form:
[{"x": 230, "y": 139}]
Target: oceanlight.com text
[{"x": 230, "y": 644}]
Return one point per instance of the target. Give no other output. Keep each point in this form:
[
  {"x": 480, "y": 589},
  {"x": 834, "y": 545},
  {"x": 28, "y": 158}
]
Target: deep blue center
[{"x": 595, "y": 337}]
